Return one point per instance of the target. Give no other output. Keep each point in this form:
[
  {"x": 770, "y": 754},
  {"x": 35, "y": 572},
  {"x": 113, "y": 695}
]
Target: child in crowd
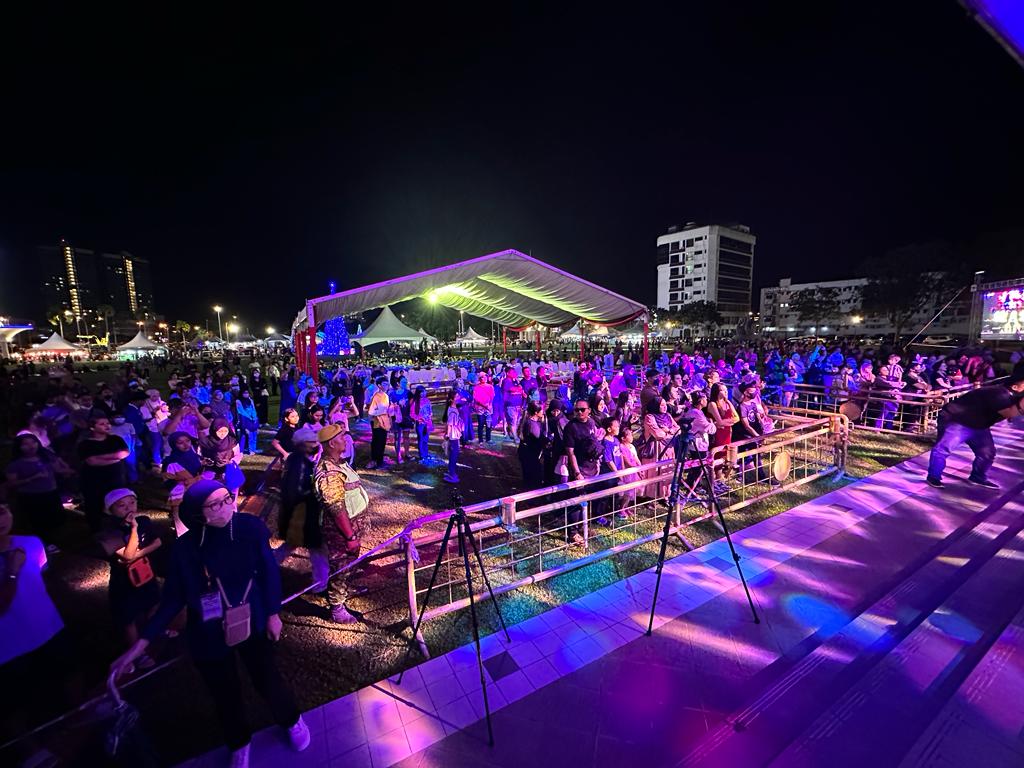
[{"x": 127, "y": 539}]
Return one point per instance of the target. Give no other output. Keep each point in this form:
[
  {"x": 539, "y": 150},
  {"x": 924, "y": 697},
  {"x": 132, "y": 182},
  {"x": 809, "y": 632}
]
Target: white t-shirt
[{"x": 32, "y": 619}]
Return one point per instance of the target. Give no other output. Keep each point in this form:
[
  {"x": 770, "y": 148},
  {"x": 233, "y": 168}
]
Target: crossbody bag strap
[{"x": 224, "y": 595}]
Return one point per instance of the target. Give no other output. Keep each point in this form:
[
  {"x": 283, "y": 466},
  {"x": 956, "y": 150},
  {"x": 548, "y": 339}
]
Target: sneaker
[
  {"x": 983, "y": 483},
  {"x": 577, "y": 540},
  {"x": 622, "y": 515},
  {"x": 298, "y": 735},
  {"x": 340, "y": 615},
  {"x": 371, "y": 465},
  {"x": 934, "y": 482},
  {"x": 603, "y": 521},
  {"x": 240, "y": 757}
]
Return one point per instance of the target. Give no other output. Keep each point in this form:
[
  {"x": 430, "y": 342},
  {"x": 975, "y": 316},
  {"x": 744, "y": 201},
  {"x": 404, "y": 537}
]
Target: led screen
[{"x": 1002, "y": 314}]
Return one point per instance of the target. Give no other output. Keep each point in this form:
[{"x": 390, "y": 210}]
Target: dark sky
[{"x": 252, "y": 161}]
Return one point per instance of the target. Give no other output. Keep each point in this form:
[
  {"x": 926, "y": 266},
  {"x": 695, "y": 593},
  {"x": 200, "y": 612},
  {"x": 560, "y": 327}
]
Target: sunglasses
[{"x": 582, "y": 410}]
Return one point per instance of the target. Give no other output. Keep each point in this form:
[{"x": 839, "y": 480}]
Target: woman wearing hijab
[
  {"x": 219, "y": 447},
  {"x": 181, "y": 468},
  {"x": 659, "y": 429},
  {"x": 223, "y": 573}
]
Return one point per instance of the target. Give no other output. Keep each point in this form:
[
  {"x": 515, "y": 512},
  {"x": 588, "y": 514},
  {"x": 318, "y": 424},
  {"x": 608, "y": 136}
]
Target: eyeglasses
[
  {"x": 581, "y": 410},
  {"x": 219, "y": 504}
]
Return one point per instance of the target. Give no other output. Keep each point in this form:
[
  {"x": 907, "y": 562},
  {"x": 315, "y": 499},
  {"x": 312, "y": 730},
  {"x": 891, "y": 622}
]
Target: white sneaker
[
  {"x": 298, "y": 734},
  {"x": 240, "y": 757}
]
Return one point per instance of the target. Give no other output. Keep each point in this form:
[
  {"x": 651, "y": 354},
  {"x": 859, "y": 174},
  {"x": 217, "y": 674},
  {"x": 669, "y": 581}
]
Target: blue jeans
[
  {"x": 156, "y": 447},
  {"x": 453, "y": 458},
  {"x": 951, "y": 435},
  {"x": 247, "y": 439},
  {"x": 423, "y": 440},
  {"x": 483, "y": 427}
]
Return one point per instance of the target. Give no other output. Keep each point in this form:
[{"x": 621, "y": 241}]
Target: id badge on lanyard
[{"x": 210, "y": 602}]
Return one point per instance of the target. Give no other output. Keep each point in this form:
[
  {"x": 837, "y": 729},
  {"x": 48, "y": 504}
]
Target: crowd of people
[{"x": 88, "y": 450}]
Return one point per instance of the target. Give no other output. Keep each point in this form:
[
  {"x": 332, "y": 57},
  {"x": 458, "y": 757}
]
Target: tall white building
[
  {"x": 707, "y": 263},
  {"x": 779, "y": 318}
]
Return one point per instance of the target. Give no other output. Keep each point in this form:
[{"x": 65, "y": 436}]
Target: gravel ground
[{"x": 324, "y": 661}]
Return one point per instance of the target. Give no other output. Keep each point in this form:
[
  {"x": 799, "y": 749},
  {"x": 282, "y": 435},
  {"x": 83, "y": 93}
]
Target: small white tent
[
  {"x": 472, "y": 339},
  {"x": 56, "y": 346},
  {"x": 430, "y": 339},
  {"x": 140, "y": 345},
  {"x": 387, "y": 327}
]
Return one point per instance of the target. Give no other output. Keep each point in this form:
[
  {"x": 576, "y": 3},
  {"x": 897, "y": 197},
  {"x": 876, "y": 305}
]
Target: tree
[
  {"x": 905, "y": 282},
  {"x": 703, "y": 314},
  {"x": 182, "y": 327},
  {"x": 106, "y": 312},
  {"x": 815, "y": 305}
]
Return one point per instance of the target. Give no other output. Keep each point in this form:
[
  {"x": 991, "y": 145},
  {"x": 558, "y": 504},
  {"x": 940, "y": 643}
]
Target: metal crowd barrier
[{"x": 885, "y": 411}]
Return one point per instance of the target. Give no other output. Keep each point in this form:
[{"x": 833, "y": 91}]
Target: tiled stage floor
[{"x": 891, "y": 633}]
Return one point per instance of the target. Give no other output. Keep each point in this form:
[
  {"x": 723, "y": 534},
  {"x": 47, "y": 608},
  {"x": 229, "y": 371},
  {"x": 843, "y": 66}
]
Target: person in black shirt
[
  {"x": 102, "y": 468},
  {"x": 969, "y": 419},
  {"x": 582, "y": 441}
]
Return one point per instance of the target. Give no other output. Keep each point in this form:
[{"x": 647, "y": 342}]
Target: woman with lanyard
[{"x": 222, "y": 571}]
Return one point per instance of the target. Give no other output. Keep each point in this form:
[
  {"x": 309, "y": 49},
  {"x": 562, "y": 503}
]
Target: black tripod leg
[
  {"x": 462, "y": 524},
  {"x": 430, "y": 588},
  {"x": 709, "y": 480},
  {"x": 673, "y": 497},
  {"x": 487, "y": 582}
]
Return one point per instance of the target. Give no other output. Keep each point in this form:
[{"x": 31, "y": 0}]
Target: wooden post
[
  {"x": 504, "y": 341},
  {"x": 583, "y": 337},
  {"x": 538, "y": 342}
]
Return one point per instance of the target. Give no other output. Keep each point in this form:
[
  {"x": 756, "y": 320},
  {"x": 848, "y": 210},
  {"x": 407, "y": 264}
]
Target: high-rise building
[
  {"x": 79, "y": 281},
  {"x": 69, "y": 278},
  {"x": 707, "y": 263}
]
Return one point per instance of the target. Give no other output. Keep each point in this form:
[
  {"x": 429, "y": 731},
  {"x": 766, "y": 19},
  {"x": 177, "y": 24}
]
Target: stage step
[
  {"x": 878, "y": 719},
  {"x": 793, "y": 691},
  {"x": 985, "y": 716}
]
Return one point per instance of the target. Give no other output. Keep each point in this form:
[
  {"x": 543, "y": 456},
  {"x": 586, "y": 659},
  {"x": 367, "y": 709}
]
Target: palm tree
[
  {"x": 106, "y": 312},
  {"x": 182, "y": 327}
]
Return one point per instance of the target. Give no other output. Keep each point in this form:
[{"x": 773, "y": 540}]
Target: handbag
[
  {"x": 238, "y": 618},
  {"x": 356, "y": 499},
  {"x": 140, "y": 572}
]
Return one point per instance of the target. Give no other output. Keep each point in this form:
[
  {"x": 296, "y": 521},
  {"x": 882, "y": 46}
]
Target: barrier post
[{"x": 414, "y": 610}]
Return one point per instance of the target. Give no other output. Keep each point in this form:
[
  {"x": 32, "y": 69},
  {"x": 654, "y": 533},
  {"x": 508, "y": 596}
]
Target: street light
[
  {"x": 218, "y": 309},
  {"x": 856, "y": 319},
  {"x": 232, "y": 328},
  {"x": 270, "y": 330}
]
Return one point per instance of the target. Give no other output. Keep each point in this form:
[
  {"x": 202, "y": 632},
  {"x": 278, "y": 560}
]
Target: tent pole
[
  {"x": 504, "y": 341},
  {"x": 583, "y": 336},
  {"x": 314, "y": 367},
  {"x": 647, "y": 354},
  {"x": 538, "y": 343}
]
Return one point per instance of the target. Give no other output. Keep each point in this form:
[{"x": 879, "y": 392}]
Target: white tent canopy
[
  {"x": 387, "y": 327},
  {"x": 141, "y": 343},
  {"x": 472, "y": 338},
  {"x": 508, "y": 287},
  {"x": 427, "y": 336},
  {"x": 56, "y": 345}
]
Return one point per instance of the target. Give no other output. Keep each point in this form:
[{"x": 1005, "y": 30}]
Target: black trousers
[
  {"x": 378, "y": 441},
  {"x": 221, "y": 677}
]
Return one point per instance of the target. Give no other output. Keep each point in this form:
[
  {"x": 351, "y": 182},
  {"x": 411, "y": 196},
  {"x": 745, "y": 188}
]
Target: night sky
[{"x": 251, "y": 162}]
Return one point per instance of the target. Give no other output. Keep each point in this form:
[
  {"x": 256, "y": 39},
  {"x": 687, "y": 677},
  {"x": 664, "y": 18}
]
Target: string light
[{"x": 333, "y": 340}]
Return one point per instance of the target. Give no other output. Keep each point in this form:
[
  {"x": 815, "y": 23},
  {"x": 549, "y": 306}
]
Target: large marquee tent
[{"x": 509, "y": 288}]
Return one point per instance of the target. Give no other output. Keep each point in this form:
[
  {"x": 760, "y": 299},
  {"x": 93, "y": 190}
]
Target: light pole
[{"x": 220, "y": 331}]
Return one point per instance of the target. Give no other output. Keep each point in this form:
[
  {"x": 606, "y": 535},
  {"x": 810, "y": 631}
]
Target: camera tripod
[
  {"x": 460, "y": 524},
  {"x": 682, "y": 443}
]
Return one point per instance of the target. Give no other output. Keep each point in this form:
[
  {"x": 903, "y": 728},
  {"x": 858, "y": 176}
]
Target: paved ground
[{"x": 891, "y": 632}]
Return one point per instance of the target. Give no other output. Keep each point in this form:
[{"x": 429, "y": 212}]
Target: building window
[
  {"x": 673, "y": 247},
  {"x": 674, "y": 285},
  {"x": 673, "y": 297},
  {"x": 674, "y": 259},
  {"x": 675, "y": 272},
  {"x": 735, "y": 245}
]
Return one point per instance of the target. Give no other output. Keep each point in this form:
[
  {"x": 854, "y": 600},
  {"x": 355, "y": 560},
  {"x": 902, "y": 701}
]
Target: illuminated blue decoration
[{"x": 333, "y": 340}]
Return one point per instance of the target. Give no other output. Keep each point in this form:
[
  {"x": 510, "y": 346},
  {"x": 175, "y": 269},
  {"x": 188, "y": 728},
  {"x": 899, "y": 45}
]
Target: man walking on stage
[{"x": 969, "y": 419}]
